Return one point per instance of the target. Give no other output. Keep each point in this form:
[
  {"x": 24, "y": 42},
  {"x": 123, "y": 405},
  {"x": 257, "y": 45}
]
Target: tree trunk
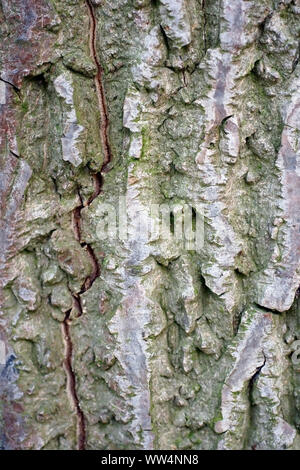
[{"x": 113, "y": 113}]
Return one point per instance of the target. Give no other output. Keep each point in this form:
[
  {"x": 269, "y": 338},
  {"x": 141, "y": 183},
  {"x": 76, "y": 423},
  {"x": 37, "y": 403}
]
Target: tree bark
[{"x": 118, "y": 341}]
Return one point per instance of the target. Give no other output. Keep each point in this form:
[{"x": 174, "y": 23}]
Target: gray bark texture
[{"x": 129, "y": 342}]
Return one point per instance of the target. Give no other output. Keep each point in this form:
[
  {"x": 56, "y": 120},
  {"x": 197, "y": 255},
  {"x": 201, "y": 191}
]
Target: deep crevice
[
  {"x": 76, "y": 215},
  {"x": 265, "y": 309},
  {"x": 251, "y": 383},
  {"x": 166, "y": 40},
  {"x": 255, "y": 376},
  {"x": 15, "y": 154},
  {"x": 17, "y": 90},
  {"x": 100, "y": 90},
  {"x": 296, "y": 59},
  {"x": 71, "y": 382}
]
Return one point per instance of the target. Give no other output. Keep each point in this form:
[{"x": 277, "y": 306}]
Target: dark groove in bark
[
  {"x": 15, "y": 154},
  {"x": 100, "y": 90},
  {"x": 98, "y": 183},
  {"x": 98, "y": 186},
  {"x": 95, "y": 273},
  {"x": 250, "y": 394},
  {"x": 166, "y": 41},
  {"x": 17, "y": 90},
  {"x": 267, "y": 310},
  {"x": 254, "y": 377},
  {"x": 296, "y": 59},
  {"x": 71, "y": 382}
]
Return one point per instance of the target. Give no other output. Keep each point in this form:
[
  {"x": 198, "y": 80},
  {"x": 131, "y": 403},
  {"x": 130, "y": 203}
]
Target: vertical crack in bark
[
  {"x": 100, "y": 91},
  {"x": 17, "y": 90},
  {"x": 71, "y": 382},
  {"x": 98, "y": 185},
  {"x": 250, "y": 395},
  {"x": 254, "y": 377}
]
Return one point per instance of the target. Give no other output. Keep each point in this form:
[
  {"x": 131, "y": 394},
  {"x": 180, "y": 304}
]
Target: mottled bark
[{"x": 131, "y": 343}]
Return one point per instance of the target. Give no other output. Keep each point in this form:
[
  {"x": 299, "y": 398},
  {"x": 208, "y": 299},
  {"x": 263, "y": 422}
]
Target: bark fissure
[
  {"x": 254, "y": 377},
  {"x": 250, "y": 392},
  {"x": 98, "y": 186},
  {"x": 15, "y": 154},
  {"x": 17, "y": 90},
  {"x": 71, "y": 382},
  {"x": 100, "y": 90},
  {"x": 265, "y": 309}
]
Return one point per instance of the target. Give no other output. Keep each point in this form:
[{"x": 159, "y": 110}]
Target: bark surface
[{"x": 131, "y": 343}]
